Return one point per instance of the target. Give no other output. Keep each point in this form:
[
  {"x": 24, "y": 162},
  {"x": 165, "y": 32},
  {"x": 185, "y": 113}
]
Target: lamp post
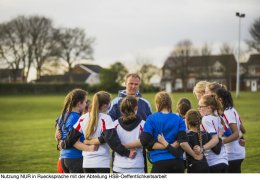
[{"x": 239, "y": 15}]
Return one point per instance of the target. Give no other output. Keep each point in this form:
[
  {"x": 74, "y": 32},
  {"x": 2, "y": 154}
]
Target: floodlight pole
[{"x": 239, "y": 15}]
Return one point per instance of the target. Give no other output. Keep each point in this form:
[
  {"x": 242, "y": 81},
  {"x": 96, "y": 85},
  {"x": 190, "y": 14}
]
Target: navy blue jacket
[{"x": 144, "y": 107}]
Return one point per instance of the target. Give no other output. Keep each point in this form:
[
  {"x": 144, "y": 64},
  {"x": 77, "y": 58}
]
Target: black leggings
[
  {"x": 168, "y": 166},
  {"x": 72, "y": 165},
  {"x": 235, "y": 166},
  {"x": 96, "y": 170},
  {"x": 219, "y": 168}
]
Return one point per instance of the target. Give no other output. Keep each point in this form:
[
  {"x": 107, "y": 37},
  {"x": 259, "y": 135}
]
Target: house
[
  {"x": 182, "y": 73},
  {"x": 8, "y": 75},
  {"x": 90, "y": 71},
  {"x": 251, "y": 78},
  {"x": 81, "y": 73}
]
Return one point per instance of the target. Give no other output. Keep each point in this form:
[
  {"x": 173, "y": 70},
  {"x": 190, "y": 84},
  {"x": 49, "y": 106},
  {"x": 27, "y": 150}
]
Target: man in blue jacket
[{"x": 132, "y": 83}]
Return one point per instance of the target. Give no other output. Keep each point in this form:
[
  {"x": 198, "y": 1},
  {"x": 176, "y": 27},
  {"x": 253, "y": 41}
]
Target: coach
[{"x": 132, "y": 84}]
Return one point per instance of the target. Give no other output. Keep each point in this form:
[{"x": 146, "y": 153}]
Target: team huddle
[{"x": 207, "y": 140}]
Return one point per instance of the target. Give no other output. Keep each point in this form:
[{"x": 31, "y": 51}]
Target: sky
[{"x": 143, "y": 30}]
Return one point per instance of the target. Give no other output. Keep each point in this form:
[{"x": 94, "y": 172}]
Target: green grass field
[{"x": 27, "y": 131}]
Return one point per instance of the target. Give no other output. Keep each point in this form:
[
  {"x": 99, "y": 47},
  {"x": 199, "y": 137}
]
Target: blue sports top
[
  {"x": 169, "y": 125},
  {"x": 65, "y": 129}
]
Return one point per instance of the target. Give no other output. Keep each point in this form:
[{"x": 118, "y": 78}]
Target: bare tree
[
  {"x": 206, "y": 50},
  {"x": 255, "y": 34},
  {"x": 226, "y": 49},
  {"x": 74, "y": 46},
  {"x": 27, "y": 40},
  {"x": 182, "y": 51},
  {"x": 14, "y": 49},
  {"x": 43, "y": 41},
  {"x": 183, "y": 47}
]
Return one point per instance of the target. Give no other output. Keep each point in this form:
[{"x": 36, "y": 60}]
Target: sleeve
[
  {"x": 78, "y": 126},
  {"x": 111, "y": 138},
  {"x": 114, "y": 111},
  {"x": 217, "y": 149},
  {"x": 230, "y": 117},
  {"x": 182, "y": 137},
  {"x": 148, "y": 127},
  {"x": 147, "y": 140},
  {"x": 71, "y": 139},
  {"x": 208, "y": 126},
  {"x": 109, "y": 122},
  {"x": 149, "y": 109},
  {"x": 177, "y": 152}
]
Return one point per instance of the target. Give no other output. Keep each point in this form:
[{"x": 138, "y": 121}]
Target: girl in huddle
[
  {"x": 235, "y": 151},
  {"x": 183, "y": 106},
  {"x": 211, "y": 123},
  {"x": 172, "y": 127},
  {"x": 74, "y": 105},
  {"x": 199, "y": 89},
  {"x": 212, "y": 88},
  {"x": 98, "y": 128},
  {"x": 129, "y": 128},
  {"x": 198, "y": 139}
]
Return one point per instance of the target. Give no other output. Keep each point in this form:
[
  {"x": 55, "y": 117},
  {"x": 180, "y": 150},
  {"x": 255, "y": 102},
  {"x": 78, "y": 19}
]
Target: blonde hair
[
  {"x": 99, "y": 99},
  {"x": 200, "y": 87},
  {"x": 127, "y": 108},
  {"x": 193, "y": 119},
  {"x": 214, "y": 86},
  {"x": 71, "y": 100},
  {"x": 213, "y": 102},
  {"x": 163, "y": 100}
]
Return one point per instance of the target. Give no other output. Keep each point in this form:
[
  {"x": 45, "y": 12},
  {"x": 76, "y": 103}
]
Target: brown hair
[
  {"x": 193, "y": 119},
  {"x": 183, "y": 106},
  {"x": 127, "y": 108},
  {"x": 71, "y": 100},
  {"x": 213, "y": 102},
  {"x": 99, "y": 99},
  {"x": 163, "y": 100},
  {"x": 134, "y": 75}
]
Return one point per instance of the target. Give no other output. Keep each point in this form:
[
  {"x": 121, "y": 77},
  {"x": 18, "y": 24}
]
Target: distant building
[
  {"x": 81, "y": 73},
  {"x": 182, "y": 73},
  {"x": 8, "y": 75},
  {"x": 251, "y": 77}
]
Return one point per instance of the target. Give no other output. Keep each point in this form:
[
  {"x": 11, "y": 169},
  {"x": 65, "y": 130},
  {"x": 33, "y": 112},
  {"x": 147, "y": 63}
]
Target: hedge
[{"x": 60, "y": 88}]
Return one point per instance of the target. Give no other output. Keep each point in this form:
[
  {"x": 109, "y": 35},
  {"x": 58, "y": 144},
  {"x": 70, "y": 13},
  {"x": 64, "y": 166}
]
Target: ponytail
[
  {"x": 213, "y": 102},
  {"x": 193, "y": 119},
  {"x": 93, "y": 117},
  {"x": 71, "y": 100},
  {"x": 127, "y": 108},
  {"x": 99, "y": 99}
]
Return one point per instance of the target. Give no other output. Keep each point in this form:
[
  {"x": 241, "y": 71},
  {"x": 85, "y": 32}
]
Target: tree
[
  {"x": 182, "y": 51},
  {"x": 74, "y": 45},
  {"x": 107, "y": 80},
  {"x": 120, "y": 70},
  {"x": 183, "y": 47},
  {"x": 26, "y": 40},
  {"x": 43, "y": 41},
  {"x": 147, "y": 71},
  {"x": 14, "y": 48},
  {"x": 255, "y": 34},
  {"x": 226, "y": 49},
  {"x": 206, "y": 50}
]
